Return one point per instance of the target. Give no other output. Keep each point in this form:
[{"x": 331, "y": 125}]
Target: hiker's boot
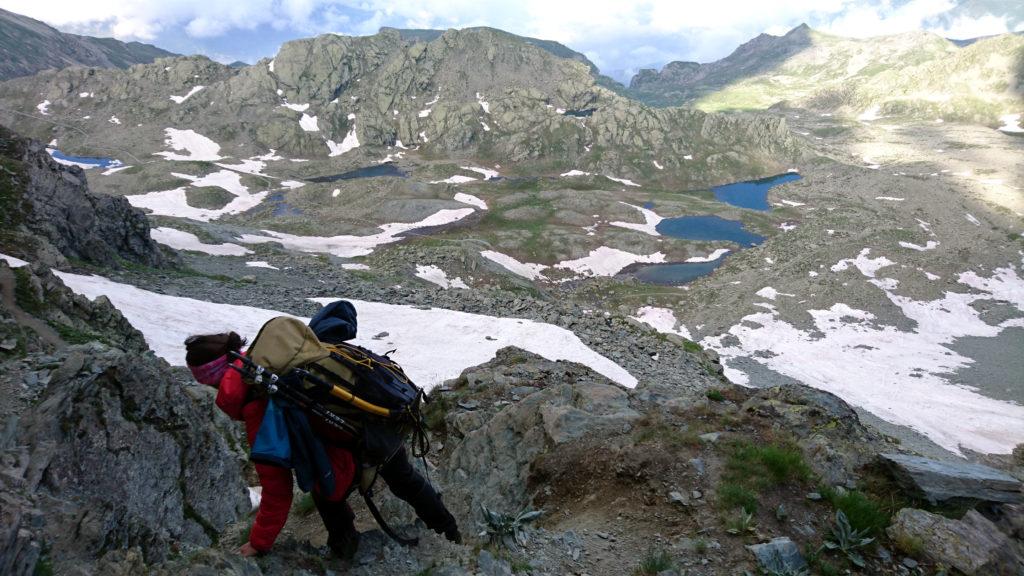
[
  {"x": 342, "y": 536},
  {"x": 452, "y": 535}
]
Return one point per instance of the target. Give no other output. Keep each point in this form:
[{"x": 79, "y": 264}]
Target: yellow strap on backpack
[{"x": 346, "y": 396}]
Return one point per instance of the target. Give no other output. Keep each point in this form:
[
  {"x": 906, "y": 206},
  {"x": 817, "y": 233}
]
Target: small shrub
[
  {"x": 508, "y": 529},
  {"x": 715, "y": 395},
  {"x": 848, "y": 540},
  {"x": 767, "y": 465},
  {"x": 741, "y": 523},
  {"x": 732, "y": 495},
  {"x": 656, "y": 560},
  {"x": 305, "y": 506}
]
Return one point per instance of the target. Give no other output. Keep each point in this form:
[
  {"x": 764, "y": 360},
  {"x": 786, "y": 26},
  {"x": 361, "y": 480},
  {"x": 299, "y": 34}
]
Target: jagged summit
[{"x": 29, "y": 46}]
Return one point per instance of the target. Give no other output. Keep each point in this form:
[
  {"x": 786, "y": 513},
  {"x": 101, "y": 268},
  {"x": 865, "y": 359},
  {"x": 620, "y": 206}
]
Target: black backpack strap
[{"x": 368, "y": 499}]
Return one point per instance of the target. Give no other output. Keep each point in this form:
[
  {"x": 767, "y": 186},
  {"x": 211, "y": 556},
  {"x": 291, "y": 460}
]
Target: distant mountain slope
[
  {"x": 476, "y": 93},
  {"x": 916, "y": 73},
  {"x": 29, "y": 46}
]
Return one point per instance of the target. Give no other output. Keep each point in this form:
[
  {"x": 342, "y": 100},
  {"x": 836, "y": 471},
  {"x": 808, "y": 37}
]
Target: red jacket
[{"x": 233, "y": 399}]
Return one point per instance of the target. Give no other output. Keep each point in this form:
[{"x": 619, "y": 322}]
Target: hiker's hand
[{"x": 248, "y": 550}]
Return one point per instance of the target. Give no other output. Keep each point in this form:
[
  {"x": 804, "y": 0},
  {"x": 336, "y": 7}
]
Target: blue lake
[
  {"x": 379, "y": 170},
  {"x": 752, "y": 194},
  {"x": 97, "y": 162},
  {"x": 708, "y": 228},
  {"x": 677, "y": 273}
]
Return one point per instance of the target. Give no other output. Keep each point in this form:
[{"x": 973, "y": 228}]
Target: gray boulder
[
  {"x": 778, "y": 555},
  {"x": 972, "y": 545},
  {"x": 938, "y": 481}
]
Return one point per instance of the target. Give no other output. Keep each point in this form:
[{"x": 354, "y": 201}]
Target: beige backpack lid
[{"x": 284, "y": 343}]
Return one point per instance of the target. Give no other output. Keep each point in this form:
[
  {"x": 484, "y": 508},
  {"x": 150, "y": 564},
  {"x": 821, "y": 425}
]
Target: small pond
[
  {"x": 388, "y": 169},
  {"x": 675, "y": 274},
  {"x": 752, "y": 194},
  {"x": 708, "y": 228},
  {"x": 85, "y": 160}
]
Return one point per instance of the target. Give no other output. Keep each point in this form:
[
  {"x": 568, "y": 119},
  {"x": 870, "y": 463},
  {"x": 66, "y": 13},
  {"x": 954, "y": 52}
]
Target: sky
[{"x": 618, "y": 36}]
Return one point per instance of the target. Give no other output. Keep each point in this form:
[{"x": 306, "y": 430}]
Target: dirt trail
[{"x": 8, "y": 302}]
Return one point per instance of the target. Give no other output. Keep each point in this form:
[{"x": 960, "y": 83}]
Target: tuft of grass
[
  {"x": 715, "y": 395},
  {"x": 767, "y": 465},
  {"x": 654, "y": 429},
  {"x": 655, "y": 561},
  {"x": 692, "y": 347},
  {"x": 243, "y": 535},
  {"x": 864, "y": 512},
  {"x": 732, "y": 495},
  {"x": 305, "y": 506}
]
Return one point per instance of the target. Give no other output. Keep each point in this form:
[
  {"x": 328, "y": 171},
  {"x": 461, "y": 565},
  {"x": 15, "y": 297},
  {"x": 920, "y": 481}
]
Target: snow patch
[
  {"x": 192, "y": 92},
  {"x": 1011, "y": 124},
  {"x": 713, "y": 256},
  {"x": 899, "y": 376},
  {"x": 44, "y": 107},
  {"x": 771, "y": 293},
  {"x": 350, "y": 246},
  {"x": 457, "y": 179},
  {"x": 355, "y": 266},
  {"x": 12, "y": 261},
  {"x": 867, "y": 266},
  {"x": 663, "y": 320},
  {"x": 571, "y": 173},
  {"x": 625, "y": 181},
  {"x": 487, "y": 173},
  {"x": 890, "y": 198},
  {"x": 650, "y": 224},
  {"x": 471, "y": 200},
  {"x": 351, "y": 141},
  {"x": 261, "y": 264},
  {"x": 930, "y": 245},
  {"x": 296, "y": 107},
  {"x": 181, "y": 240},
  {"x": 308, "y": 123},
  {"x": 972, "y": 219},
  {"x": 524, "y": 269},
  {"x": 199, "y": 147},
  {"x": 656, "y": 165},
  {"x": 606, "y": 261},
  {"x": 435, "y": 275}
]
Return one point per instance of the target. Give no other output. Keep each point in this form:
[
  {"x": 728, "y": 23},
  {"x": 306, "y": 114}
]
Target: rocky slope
[
  {"x": 475, "y": 93},
  {"x": 29, "y": 46},
  {"x": 914, "y": 74},
  {"x": 44, "y": 202}
]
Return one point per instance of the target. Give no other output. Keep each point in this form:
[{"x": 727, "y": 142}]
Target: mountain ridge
[{"x": 31, "y": 46}]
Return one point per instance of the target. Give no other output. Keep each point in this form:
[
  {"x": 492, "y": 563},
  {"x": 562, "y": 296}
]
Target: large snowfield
[
  {"x": 432, "y": 345},
  {"x": 900, "y": 376}
]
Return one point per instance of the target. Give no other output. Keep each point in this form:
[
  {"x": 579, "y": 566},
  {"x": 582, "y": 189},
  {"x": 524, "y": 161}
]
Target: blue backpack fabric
[
  {"x": 272, "y": 445},
  {"x": 286, "y": 439},
  {"x": 335, "y": 322}
]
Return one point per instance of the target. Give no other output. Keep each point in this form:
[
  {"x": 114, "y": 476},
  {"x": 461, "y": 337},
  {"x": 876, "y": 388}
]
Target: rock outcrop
[
  {"x": 940, "y": 481},
  {"x": 52, "y": 202},
  {"x": 100, "y": 435},
  {"x": 972, "y": 545}
]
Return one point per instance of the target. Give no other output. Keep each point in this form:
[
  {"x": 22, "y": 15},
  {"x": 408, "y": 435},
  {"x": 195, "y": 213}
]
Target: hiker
[{"x": 207, "y": 357}]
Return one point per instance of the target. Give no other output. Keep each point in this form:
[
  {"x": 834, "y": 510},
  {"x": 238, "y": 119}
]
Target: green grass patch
[
  {"x": 864, "y": 512},
  {"x": 715, "y": 395},
  {"x": 655, "y": 561},
  {"x": 692, "y": 347},
  {"x": 751, "y": 469},
  {"x": 73, "y": 335},
  {"x": 732, "y": 495}
]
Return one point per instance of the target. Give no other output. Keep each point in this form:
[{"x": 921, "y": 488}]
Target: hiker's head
[{"x": 207, "y": 355}]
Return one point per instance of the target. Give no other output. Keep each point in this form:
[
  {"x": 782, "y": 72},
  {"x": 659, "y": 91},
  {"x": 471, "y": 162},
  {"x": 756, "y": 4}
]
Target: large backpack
[{"x": 377, "y": 401}]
